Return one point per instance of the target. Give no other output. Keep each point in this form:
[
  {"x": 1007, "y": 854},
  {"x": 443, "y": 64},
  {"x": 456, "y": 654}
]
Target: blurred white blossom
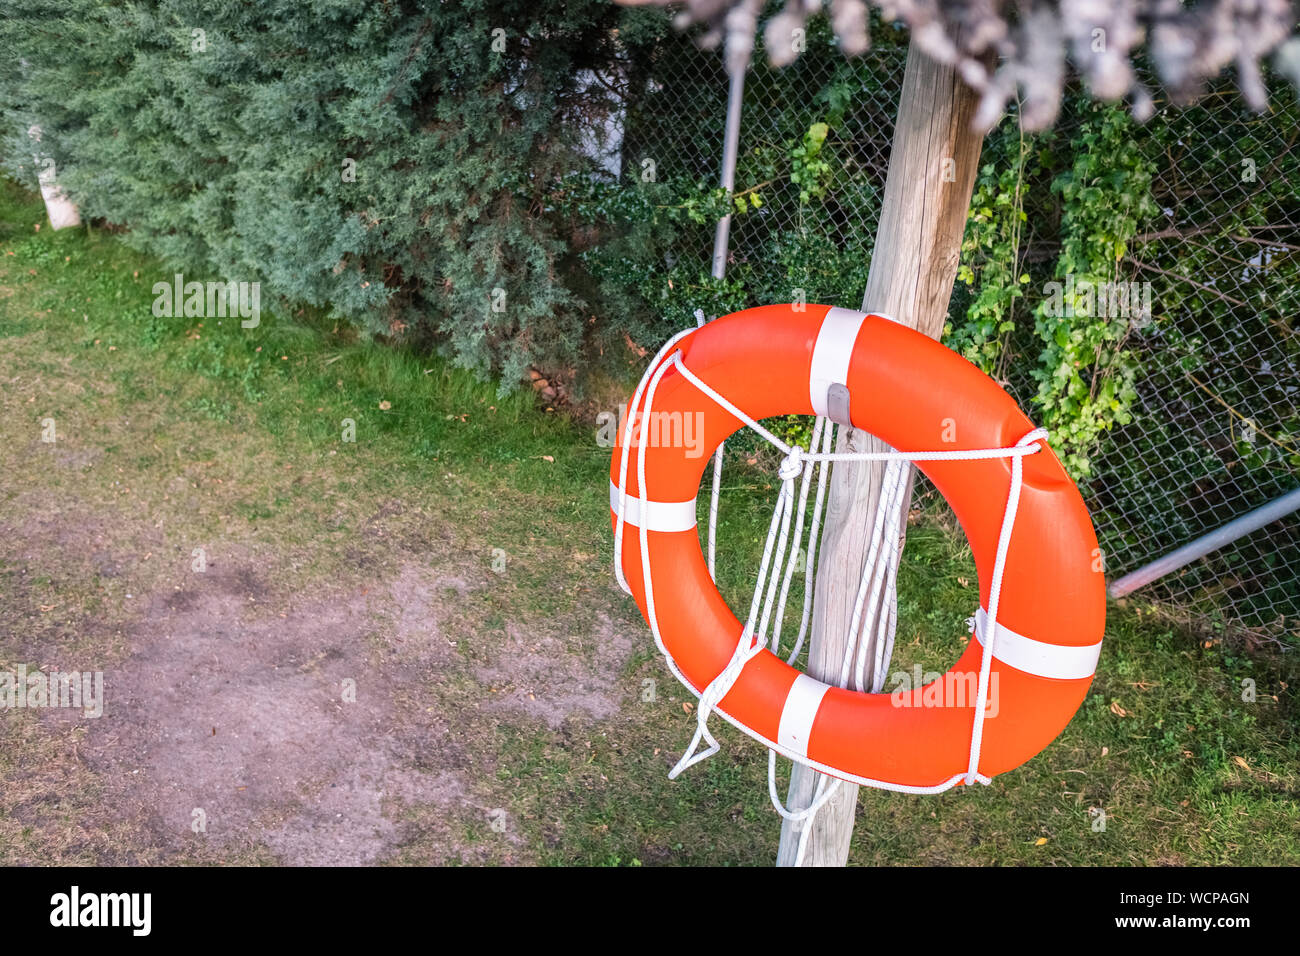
[{"x": 1031, "y": 40}]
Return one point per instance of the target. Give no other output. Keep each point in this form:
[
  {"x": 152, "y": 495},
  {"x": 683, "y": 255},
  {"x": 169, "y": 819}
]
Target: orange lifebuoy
[{"x": 870, "y": 372}]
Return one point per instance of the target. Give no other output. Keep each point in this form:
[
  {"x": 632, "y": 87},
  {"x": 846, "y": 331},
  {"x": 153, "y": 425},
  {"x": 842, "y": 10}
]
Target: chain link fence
[{"x": 1215, "y": 424}]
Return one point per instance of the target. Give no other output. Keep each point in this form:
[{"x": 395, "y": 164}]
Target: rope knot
[
  {"x": 792, "y": 465},
  {"x": 1038, "y": 434}
]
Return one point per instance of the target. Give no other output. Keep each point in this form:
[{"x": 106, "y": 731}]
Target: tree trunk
[
  {"x": 61, "y": 210},
  {"x": 932, "y": 169}
]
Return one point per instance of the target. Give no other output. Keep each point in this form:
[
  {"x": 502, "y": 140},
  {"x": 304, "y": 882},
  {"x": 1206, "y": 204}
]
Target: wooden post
[{"x": 932, "y": 169}]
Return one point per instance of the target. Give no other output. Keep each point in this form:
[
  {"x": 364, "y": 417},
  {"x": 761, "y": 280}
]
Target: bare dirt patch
[
  {"x": 332, "y": 722},
  {"x": 277, "y": 724},
  {"x": 555, "y": 676},
  {"x": 242, "y": 722}
]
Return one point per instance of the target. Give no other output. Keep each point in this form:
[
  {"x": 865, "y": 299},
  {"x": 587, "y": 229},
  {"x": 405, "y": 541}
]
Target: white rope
[
  {"x": 995, "y": 595},
  {"x": 700, "y": 322},
  {"x": 809, "y": 568},
  {"x": 801, "y": 819},
  {"x": 818, "y": 427},
  {"x": 885, "y": 531},
  {"x": 622, "y": 468},
  {"x": 878, "y": 583},
  {"x": 713, "y": 511}
]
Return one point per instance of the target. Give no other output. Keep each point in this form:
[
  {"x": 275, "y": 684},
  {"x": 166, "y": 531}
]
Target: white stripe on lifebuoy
[
  {"x": 662, "y": 515},
  {"x": 831, "y": 355},
  {"x": 1038, "y": 657},
  {"x": 799, "y": 712}
]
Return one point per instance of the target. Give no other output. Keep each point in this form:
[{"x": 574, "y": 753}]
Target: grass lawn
[{"x": 409, "y": 648}]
